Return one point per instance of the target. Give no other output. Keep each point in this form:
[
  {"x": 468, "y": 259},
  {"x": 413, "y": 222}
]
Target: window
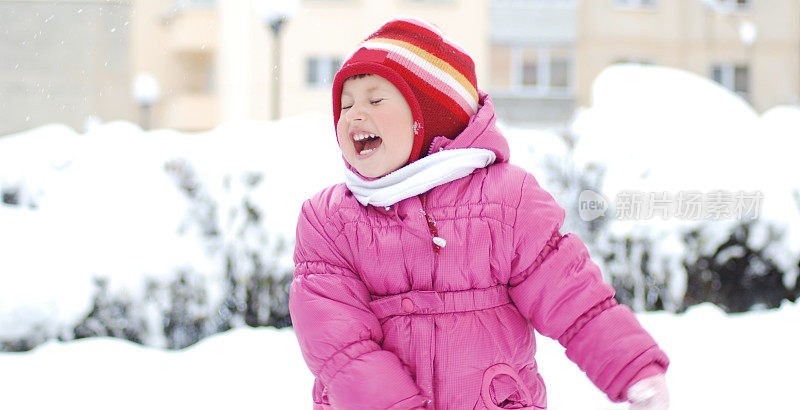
[
  {"x": 530, "y": 67},
  {"x": 540, "y": 71},
  {"x": 725, "y": 6},
  {"x": 559, "y": 73},
  {"x": 635, "y": 60},
  {"x": 197, "y": 74},
  {"x": 716, "y": 74},
  {"x": 321, "y": 70},
  {"x": 733, "y": 77},
  {"x": 530, "y": 73},
  {"x": 312, "y": 74},
  {"x": 741, "y": 79},
  {"x": 201, "y": 4},
  {"x": 645, "y": 4}
]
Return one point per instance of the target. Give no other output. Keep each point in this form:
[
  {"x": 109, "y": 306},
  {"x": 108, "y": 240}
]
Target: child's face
[{"x": 372, "y": 105}]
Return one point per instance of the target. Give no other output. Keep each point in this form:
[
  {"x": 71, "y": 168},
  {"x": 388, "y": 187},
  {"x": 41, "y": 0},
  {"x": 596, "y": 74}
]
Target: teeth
[
  {"x": 366, "y": 151},
  {"x": 360, "y": 137}
]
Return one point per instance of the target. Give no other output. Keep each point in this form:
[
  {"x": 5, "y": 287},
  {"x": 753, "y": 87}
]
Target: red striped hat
[{"x": 436, "y": 77}]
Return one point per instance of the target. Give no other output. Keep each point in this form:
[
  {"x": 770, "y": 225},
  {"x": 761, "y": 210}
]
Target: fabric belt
[{"x": 428, "y": 302}]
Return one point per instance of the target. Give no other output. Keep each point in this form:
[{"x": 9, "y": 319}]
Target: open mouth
[{"x": 366, "y": 143}]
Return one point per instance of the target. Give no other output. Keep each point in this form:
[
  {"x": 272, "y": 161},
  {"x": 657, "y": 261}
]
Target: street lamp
[
  {"x": 747, "y": 32},
  {"x": 146, "y": 92},
  {"x": 273, "y": 14}
]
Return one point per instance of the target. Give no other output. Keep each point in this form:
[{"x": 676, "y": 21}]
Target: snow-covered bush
[
  {"x": 246, "y": 285},
  {"x": 164, "y": 238},
  {"x": 159, "y": 237},
  {"x": 654, "y": 130},
  {"x": 737, "y": 276}
]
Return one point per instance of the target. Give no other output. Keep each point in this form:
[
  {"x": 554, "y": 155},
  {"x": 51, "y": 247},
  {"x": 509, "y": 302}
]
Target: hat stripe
[
  {"x": 432, "y": 66},
  {"x": 445, "y": 89},
  {"x": 433, "y": 44},
  {"x": 435, "y": 61},
  {"x": 438, "y": 34},
  {"x": 436, "y": 85},
  {"x": 424, "y": 86}
]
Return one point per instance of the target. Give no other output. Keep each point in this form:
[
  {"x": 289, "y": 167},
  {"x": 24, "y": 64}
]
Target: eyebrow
[{"x": 369, "y": 90}]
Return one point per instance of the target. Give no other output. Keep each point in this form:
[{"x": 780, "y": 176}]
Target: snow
[
  {"x": 145, "y": 88},
  {"x": 657, "y": 129},
  {"x": 269, "y": 11},
  {"x": 239, "y": 369},
  {"x": 102, "y": 203},
  {"x": 712, "y": 355}
]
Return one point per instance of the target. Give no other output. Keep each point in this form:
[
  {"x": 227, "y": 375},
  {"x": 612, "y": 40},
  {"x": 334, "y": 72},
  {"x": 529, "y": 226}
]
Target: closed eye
[{"x": 373, "y": 102}]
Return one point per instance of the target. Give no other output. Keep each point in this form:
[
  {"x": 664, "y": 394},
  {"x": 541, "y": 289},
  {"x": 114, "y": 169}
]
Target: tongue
[{"x": 371, "y": 143}]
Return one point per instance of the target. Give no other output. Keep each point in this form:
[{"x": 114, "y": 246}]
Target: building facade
[
  {"x": 533, "y": 55},
  {"x": 64, "y": 62},
  {"x": 751, "y": 47},
  {"x": 214, "y": 61}
]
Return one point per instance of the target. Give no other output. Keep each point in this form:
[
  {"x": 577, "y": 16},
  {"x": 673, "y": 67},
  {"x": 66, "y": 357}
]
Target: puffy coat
[{"x": 387, "y": 319}]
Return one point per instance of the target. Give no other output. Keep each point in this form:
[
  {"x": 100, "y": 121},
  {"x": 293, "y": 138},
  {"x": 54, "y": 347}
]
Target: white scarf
[{"x": 419, "y": 176}]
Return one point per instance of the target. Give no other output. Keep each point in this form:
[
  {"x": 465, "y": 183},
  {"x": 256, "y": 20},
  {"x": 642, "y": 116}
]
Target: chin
[
  {"x": 371, "y": 174},
  {"x": 368, "y": 170}
]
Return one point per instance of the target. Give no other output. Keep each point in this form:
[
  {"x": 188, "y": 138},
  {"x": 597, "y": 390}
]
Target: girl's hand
[{"x": 649, "y": 394}]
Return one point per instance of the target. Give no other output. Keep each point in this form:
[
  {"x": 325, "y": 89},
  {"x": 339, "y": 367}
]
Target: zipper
[
  {"x": 438, "y": 242},
  {"x": 433, "y": 147}
]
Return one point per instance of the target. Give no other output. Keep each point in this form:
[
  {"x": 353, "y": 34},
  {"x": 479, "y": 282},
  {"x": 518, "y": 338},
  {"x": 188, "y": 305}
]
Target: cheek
[
  {"x": 400, "y": 131},
  {"x": 341, "y": 134}
]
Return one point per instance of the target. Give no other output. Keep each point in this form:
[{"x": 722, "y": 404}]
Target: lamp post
[
  {"x": 748, "y": 34},
  {"x": 146, "y": 92},
  {"x": 273, "y": 14},
  {"x": 275, "y": 26}
]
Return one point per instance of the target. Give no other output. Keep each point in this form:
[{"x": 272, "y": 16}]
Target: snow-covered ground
[{"x": 737, "y": 362}]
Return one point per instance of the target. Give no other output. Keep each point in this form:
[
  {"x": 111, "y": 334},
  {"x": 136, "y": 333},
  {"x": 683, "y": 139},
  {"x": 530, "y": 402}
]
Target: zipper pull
[{"x": 438, "y": 242}]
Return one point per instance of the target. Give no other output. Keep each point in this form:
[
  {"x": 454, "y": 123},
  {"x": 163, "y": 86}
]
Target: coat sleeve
[
  {"x": 339, "y": 334},
  {"x": 556, "y": 286}
]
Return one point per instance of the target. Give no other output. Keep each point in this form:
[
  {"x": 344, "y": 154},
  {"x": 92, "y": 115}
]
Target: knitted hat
[{"x": 436, "y": 77}]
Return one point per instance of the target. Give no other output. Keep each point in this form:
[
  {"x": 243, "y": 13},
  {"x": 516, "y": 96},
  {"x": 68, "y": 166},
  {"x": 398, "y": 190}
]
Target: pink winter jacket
[{"x": 386, "y": 319}]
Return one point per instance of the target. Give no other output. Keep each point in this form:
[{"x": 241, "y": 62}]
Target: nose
[{"x": 354, "y": 113}]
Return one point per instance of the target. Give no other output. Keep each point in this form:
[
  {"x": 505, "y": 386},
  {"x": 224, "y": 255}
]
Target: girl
[{"x": 419, "y": 280}]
